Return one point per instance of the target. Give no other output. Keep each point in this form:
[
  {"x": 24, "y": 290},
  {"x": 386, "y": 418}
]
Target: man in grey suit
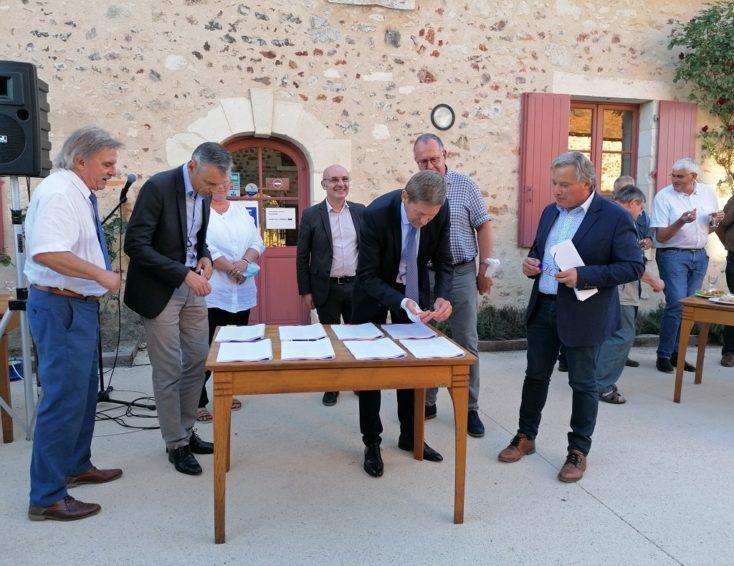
[
  {"x": 168, "y": 278},
  {"x": 326, "y": 257}
]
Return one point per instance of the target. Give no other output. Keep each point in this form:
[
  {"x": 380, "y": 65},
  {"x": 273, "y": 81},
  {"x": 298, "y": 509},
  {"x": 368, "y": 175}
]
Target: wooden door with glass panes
[{"x": 273, "y": 178}]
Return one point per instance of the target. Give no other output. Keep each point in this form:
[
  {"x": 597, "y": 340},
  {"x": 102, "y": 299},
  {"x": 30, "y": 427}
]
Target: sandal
[
  {"x": 203, "y": 415},
  {"x": 236, "y": 404},
  {"x": 614, "y": 397}
]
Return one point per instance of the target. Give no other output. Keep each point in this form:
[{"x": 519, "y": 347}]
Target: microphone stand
[{"x": 104, "y": 392}]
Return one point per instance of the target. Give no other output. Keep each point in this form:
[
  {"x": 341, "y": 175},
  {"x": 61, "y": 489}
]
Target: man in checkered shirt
[{"x": 471, "y": 234}]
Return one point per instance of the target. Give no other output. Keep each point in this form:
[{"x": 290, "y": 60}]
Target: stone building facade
[{"x": 350, "y": 82}]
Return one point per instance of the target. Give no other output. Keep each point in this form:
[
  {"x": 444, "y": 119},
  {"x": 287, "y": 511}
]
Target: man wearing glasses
[
  {"x": 326, "y": 256},
  {"x": 471, "y": 234},
  {"x": 683, "y": 215}
]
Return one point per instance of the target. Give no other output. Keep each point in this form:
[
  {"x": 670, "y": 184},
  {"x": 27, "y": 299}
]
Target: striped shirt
[{"x": 468, "y": 211}]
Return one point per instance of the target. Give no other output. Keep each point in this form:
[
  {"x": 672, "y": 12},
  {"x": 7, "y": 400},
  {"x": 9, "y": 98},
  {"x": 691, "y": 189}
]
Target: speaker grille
[{"x": 12, "y": 140}]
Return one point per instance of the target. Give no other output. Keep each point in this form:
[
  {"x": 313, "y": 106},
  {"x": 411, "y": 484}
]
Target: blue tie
[
  {"x": 100, "y": 233},
  {"x": 411, "y": 265}
]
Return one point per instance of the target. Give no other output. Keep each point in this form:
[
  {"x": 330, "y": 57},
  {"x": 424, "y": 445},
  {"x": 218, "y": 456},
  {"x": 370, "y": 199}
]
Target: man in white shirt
[
  {"x": 682, "y": 218},
  {"x": 68, "y": 271}
]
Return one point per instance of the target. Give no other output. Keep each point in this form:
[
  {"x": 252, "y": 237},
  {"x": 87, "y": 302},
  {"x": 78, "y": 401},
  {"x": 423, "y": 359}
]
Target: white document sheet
[
  {"x": 245, "y": 351},
  {"x": 414, "y": 330},
  {"x": 437, "y": 347},
  {"x": 566, "y": 257},
  {"x": 305, "y": 332},
  {"x": 307, "y": 350},
  {"x": 380, "y": 349},
  {"x": 241, "y": 333},
  {"x": 366, "y": 331}
]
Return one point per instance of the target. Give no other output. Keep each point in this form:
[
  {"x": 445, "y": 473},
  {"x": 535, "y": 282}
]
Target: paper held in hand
[{"x": 566, "y": 257}]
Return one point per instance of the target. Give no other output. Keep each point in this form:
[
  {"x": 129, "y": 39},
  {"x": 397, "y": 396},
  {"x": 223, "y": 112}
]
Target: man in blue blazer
[
  {"x": 381, "y": 287},
  {"x": 605, "y": 238},
  {"x": 326, "y": 256},
  {"x": 168, "y": 278}
]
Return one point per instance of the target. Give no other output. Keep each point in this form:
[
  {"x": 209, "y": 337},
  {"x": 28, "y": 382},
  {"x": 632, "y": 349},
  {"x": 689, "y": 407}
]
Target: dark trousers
[
  {"x": 219, "y": 317},
  {"x": 729, "y": 330},
  {"x": 543, "y": 346},
  {"x": 338, "y": 304}
]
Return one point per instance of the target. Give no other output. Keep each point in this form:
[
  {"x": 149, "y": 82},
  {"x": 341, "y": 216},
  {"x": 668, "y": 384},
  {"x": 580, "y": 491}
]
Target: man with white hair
[{"x": 682, "y": 218}]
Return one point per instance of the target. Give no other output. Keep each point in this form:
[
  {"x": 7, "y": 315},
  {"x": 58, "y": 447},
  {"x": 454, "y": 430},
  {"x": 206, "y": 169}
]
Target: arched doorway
[{"x": 274, "y": 179}]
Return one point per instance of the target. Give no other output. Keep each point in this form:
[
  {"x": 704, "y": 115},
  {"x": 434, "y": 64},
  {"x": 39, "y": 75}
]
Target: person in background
[
  {"x": 68, "y": 268},
  {"x": 725, "y": 232},
  {"x": 235, "y": 245},
  {"x": 471, "y": 234},
  {"x": 605, "y": 238},
  {"x": 168, "y": 278},
  {"x": 326, "y": 254},
  {"x": 401, "y": 232},
  {"x": 683, "y": 216},
  {"x": 610, "y": 360}
]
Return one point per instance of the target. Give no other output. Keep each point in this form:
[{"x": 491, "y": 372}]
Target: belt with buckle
[
  {"x": 66, "y": 293},
  {"x": 342, "y": 280}
]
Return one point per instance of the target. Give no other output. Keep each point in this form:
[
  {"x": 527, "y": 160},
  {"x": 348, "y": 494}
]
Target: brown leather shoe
[
  {"x": 574, "y": 468},
  {"x": 66, "y": 509},
  {"x": 94, "y": 475},
  {"x": 520, "y": 446}
]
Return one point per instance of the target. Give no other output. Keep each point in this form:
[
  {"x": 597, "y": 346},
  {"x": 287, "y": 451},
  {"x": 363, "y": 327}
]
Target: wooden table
[
  {"x": 704, "y": 312},
  {"x": 343, "y": 373},
  {"x": 5, "y": 418}
]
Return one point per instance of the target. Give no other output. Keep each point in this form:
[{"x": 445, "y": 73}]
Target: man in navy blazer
[
  {"x": 605, "y": 238},
  {"x": 326, "y": 256},
  {"x": 381, "y": 287},
  {"x": 168, "y": 278}
]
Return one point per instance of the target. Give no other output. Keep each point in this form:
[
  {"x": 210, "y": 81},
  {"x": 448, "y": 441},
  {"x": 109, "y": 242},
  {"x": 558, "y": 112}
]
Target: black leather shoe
[
  {"x": 562, "y": 365},
  {"x": 632, "y": 363},
  {"x": 686, "y": 365},
  {"x": 428, "y": 453},
  {"x": 430, "y": 412},
  {"x": 664, "y": 365},
  {"x": 199, "y": 446},
  {"x": 474, "y": 426},
  {"x": 330, "y": 398},
  {"x": 184, "y": 461},
  {"x": 373, "y": 460}
]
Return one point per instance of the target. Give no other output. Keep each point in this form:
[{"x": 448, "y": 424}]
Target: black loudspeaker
[{"x": 24, "y": 127}]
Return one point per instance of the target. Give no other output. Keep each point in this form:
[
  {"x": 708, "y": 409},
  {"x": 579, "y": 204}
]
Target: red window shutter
[
  {"x": 676, "y": 137},
  {"x": 544, "y": 137}
]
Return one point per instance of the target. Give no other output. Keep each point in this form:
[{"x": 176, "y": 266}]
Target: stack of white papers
[
  {"x": 245, "y": 351},
  {"x": 307, "y": 350},
  {"x": 307, "y": 332},
  {"x": 412, "y": 330},
  {"x": 240, "y": 333},
  {"x": 380, "y": 349},
  {"x": 366, "y": 331},
  {"x": 438, "y": 347}
]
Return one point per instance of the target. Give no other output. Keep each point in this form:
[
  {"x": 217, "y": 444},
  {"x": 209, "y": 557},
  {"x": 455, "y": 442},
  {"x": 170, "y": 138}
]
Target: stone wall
[{"x": 366, "y": 77}]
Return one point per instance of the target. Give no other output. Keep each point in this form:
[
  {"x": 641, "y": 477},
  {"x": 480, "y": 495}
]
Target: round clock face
[{"x": 442, "y": 116}]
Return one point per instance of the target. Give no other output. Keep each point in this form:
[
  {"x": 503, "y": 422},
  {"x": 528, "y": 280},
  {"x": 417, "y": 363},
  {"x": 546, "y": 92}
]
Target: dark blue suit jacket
[
  {"x": 607, "y": 243},
  {"x": 380, "y": 247}
]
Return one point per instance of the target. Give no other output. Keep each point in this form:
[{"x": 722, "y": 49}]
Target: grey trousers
[
  {"x": 463, "y": 321},
  {"x": 177, "y": 347}
]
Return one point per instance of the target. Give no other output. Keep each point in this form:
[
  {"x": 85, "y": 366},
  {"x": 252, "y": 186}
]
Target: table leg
[
  {"x": 419, "y": 423},
  {"x": 703, "y": 338},
  {"x": 222, "y": 419},
  {"x": 685, "y": 331},
  {"x": 460, "y": 397},
  {"x": 7, "y": 420}
]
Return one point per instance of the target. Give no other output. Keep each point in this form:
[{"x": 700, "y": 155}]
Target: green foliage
[
  {"x": 112, "y": 230},
  {"x": 706, "y": 61}
]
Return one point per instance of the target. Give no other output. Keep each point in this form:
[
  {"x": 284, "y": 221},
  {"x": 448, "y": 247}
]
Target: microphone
[{"x": 131, "y": 178}]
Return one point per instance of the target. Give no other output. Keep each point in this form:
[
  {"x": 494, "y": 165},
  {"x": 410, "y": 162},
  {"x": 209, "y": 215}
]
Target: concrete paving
[{"x": 657, "y": 490}]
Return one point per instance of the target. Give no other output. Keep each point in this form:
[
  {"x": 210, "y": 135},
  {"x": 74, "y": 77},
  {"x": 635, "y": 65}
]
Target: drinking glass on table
[{"x": 712, "y": 280}]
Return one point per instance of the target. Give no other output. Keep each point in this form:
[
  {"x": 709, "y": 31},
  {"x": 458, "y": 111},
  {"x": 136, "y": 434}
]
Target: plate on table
[
  {"x": 710, "y": 293},
  {"x": 723, "y": 299}
]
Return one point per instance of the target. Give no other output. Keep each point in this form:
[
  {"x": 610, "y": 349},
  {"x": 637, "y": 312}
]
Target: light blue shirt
[{"x": 194, "y": 214}]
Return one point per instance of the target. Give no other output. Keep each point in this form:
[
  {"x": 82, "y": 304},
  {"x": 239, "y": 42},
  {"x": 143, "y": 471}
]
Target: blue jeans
[
  {"x": 543, "y": 345},
  {"x": 729, "y": 330},
  {"x": 682, "y": 271},
  {"x": 615, "y": 349},
  {"x": 66, "y": 333}
]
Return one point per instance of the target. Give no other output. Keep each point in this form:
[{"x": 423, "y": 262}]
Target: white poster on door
[{"x": 280, "y": 218}]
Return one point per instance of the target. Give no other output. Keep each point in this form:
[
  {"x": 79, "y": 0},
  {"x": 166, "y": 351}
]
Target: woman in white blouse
[{"x": 235, "y": 244}]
